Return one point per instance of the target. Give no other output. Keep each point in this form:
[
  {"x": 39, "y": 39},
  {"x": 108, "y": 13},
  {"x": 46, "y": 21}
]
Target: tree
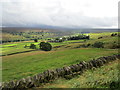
[
  {"x": 45, "y": 46},
  {"x": 32, "y": 46},
  {"x": 98, "y": 45},
  {"x": 35, "y": 40}
]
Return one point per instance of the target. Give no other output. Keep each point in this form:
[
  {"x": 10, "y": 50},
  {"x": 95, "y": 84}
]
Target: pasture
[
  {"x": 103, "y": 77},
  {"x": 31, "y": 63},
  {"x": 21, "y": 65}
]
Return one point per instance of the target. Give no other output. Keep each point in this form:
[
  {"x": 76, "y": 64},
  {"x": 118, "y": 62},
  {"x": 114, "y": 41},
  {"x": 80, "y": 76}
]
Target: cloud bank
[{"x": 63, "y": 13}]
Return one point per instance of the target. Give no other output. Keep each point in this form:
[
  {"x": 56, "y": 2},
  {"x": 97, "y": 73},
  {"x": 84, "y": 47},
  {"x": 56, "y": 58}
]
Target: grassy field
[
  {"x": 104, "y": 34},
  {"x": 104, "y": 77},
  {"x": 19, "y": 47},
  {"x": 22, "y": 65},
  {"x": 15, "y": 47},
  {"x": 27, "y": 64},
  {"x": 9, "y": 48}
]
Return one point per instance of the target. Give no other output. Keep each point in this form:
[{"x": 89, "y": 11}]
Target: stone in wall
[
  {"x": 67, "y": 70},
  {"x": 72, "y": 68},
  {"x": 90, "y": 65},
  {"x": 84, "y": 65},
  {"x": 54, "y": 73}
]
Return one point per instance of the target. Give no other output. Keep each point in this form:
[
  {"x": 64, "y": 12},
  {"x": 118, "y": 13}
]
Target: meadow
[
  {"x": 25, "y": 64},
  {"x": 104, "y": 77},
  {"x": 13, "y": 47}
]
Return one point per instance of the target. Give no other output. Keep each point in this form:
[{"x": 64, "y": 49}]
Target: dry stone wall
[{"x": 65, "y": 72}]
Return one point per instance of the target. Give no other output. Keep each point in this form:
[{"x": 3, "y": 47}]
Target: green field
[
  {"x": 21, "y": 65},
  {"x": 25, "y": 64},
  {"x": 105, "y": 77},
  {"x": 19, "y": 46}
]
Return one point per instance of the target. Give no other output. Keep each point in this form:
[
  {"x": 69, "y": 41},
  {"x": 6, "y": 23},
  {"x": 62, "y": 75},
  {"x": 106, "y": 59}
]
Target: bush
[
  {"x": 32, "y": 46},
  {"x": 113, "y": 34},
  {"x": 45, "y": 46},
  {"x": 100, "y": 37},
  {"x": 98, "y": 45},
  {"x": 25, "y": 46},
  {"x": 35, "y": 40},
  {"x": 78, "y": 37},
  {"x": 88, "y": 44},
  {"x": 115, "y": 46}
]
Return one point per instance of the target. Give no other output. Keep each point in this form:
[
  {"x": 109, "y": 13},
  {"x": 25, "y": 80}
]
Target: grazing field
[
  {"x": 65, "y": 53},
  {"x": 104, "y": 77},
  {"x": 27, "y": 64},
  {"x": 9, "y": 48}
]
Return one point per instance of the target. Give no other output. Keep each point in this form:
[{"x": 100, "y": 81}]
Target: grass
[
  {"x": 103, "y": 77},
  {"x": 96, "y": 35},
  {"x": 72, "y": 41},
  {"x": 22, "y": 65},
  {"x": 28, "y": 64},
  {"x": 15, "y": 47},
  {"x": 19, "y": 46}
]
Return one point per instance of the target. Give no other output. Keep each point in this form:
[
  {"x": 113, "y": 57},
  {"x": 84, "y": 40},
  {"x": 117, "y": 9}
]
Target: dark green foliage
[
  {"x": 98, "y": 45},
  {"x": 45, "y": 46},
  {"x": 115, "y": 45},
  {"x": 35, "y": 40},
  {"x": 32, "y": 46},
  {"x": 115, "y": 84},
  {"x": 113, "y": 34},
  {"x": 57, "y": 39},
  {"x": 100, "y": 37},
  {"x": 83, "y": 45},
  {"x": 79, "y": 37},
  {"x": 25, "y": 46},
  {"x": 48, "y": 39},
  {"x": 88, "y": 44}
]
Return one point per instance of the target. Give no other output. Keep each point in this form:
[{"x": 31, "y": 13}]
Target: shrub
[
  {"x": 35, "y": 40},
  {"x": 32, "y": 46},
  {"x": 78, "y": 37},
  {"x": 83, "y": 45},
  {"x": 115, "y": 46},
  {"x": 98, "y": 45},
  {"x": 100, "y": 37},
  {"x": 113, "y": 34},
  {"x": 25, "y": 46},
  {"x": 48, "y": 39},
  {"x": 45, "y": 46},
  {"x": 88, "y": 44}
]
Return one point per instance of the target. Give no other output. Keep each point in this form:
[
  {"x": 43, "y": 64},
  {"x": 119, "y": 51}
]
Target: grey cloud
[{"x": 28, "y": 14}]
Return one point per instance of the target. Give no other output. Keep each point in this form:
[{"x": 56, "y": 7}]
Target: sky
[{"x": 62, "y": 13}]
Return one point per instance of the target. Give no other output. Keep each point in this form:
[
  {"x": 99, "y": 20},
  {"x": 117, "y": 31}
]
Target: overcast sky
[{"x": 64, "y": 13}]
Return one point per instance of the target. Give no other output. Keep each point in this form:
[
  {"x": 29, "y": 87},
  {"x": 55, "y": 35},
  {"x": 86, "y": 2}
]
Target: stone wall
[{"x": 65, "y": 72}]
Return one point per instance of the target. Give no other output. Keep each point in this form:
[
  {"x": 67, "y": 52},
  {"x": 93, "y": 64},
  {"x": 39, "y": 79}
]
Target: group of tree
[
  {"x": 114, "y": 34},
  {"x": 94, "y": 45},
  {"x": 79, "y": 37},
  {"x": 43, "y": 46},
  {"x": 98, "y": 45}
]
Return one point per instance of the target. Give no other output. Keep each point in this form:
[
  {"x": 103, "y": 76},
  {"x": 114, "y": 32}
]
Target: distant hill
[
  {"x": 56, "y": 29},
  {"x": 24, "y": 29}
]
